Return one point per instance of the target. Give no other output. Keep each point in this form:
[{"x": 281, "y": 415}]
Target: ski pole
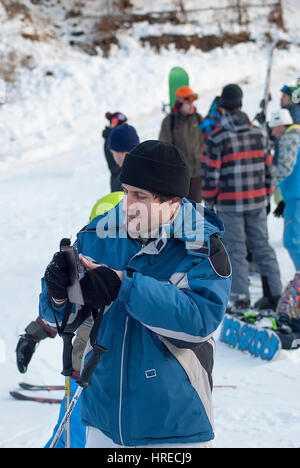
[
  {"x": 83, "y": 382},
  {"x": 67, "y": 404},
  {"x": 75, "y": 297}
]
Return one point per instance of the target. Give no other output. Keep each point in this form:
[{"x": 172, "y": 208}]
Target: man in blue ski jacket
[{"x": 157, "y": 266}]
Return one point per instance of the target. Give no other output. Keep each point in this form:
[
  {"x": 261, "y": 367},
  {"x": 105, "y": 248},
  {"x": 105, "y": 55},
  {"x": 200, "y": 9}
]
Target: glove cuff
[{"x": 111, "y": 280}]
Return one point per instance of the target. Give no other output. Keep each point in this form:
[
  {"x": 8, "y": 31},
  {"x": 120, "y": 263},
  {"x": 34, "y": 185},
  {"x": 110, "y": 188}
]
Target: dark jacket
[
  {"x": 237, "y": 166},
  {"x": 114, "y": 168},
  {"x": 183, "y": 132}
]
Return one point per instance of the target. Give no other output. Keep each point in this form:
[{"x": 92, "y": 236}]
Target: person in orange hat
[{"x": 181, "y": 128}]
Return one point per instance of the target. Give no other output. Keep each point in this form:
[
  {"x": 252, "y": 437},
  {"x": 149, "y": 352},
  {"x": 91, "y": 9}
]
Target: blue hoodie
[{"x": 154, "y": 383}]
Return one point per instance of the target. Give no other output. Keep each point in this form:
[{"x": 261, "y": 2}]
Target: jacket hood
[
  {"x": 235, "y": 121},
  {"x": 294, "y": 110},
  {"x": 294, "y": 129},
  {"x": 176, "y": 111}
]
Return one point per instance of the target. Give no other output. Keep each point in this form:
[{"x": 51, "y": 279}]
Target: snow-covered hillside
[{"x": 52, "y": 170}]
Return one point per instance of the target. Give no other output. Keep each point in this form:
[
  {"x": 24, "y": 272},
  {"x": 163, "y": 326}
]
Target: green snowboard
[{"x": 177, "y": 77}]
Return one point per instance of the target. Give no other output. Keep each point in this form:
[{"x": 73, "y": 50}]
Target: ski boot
[
  {"x": 289, "y": 332},
  {"x": 238, "y": 308},
  {"x": 267, "y": 303}
]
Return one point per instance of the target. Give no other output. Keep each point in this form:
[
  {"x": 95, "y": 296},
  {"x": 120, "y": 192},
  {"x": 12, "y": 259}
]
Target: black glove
[
  {"x": 106, "y": 133},
  {"x": 57, "y": 274},
  {"x": 268, "y": 208},
  {"x": 279, "y": 210},
  {"x": 100, "y": 287},
  {"x": 260, "y": 117}
]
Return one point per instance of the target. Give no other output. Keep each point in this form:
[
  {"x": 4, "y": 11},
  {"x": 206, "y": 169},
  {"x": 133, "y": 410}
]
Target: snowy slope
[{"x": 52, "y": 170}]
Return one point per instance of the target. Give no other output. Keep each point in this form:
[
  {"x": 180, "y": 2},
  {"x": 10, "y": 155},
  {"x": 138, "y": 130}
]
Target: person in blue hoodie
[
  {"x": 288, "y": 179},
  {"x": 157, "y": 266}
]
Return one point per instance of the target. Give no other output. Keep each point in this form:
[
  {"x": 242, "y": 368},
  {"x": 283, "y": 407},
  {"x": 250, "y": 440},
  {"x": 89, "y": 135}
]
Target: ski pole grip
[
  {"x": 90, "y": 366},
  {"x": 67, "y": 354}
]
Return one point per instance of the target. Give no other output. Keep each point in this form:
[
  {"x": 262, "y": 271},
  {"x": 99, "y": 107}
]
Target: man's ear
[
  {"x": 174, "y": 203},
  {"x": 178, "y": 104}
]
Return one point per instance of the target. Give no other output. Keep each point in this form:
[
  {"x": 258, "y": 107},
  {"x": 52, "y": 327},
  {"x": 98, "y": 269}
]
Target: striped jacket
[
  {"x": 237, "y": 166},
  {"x": 154, "y": 383}
]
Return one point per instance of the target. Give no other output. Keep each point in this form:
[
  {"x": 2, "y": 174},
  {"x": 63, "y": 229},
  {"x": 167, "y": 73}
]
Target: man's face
[
  {"x": 145, "y": 213},
  {"x": 285, "y": 100},
  {"x": 187, "y": 107},
  {"x": 278, "y": 131}
]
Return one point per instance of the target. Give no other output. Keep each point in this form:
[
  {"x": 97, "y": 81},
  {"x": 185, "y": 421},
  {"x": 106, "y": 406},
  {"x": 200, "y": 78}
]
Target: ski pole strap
[
  {"x": 90, "y": 366},
  {"x": 60, "y": 328},
  {"x": 97, "y": 316},
  {"x": 86, "y": 374},
  {"x": 67, "y": 354}
]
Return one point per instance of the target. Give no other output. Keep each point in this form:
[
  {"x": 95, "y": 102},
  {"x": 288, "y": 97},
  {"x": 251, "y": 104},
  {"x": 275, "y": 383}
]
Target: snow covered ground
[{"x": 52, "y": 170}]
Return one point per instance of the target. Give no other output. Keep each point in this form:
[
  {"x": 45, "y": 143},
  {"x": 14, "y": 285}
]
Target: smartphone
[{"x": 75, "y": 270}]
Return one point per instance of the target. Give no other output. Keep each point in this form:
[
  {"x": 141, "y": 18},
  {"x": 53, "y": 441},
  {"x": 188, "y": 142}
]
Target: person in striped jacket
[{"x": 238, "y": 182}]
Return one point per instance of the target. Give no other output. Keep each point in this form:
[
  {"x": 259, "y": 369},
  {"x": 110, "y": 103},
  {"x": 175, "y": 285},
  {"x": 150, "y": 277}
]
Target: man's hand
[
  {"x": 100, "y": 286},
  {"x": 57, "y": 278},
  {"x": 92, "y": 266}
]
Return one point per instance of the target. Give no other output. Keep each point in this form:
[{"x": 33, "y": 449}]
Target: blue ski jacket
[
  {"x": 154, "y": 383},
  {"x": 289, "y": 149}
]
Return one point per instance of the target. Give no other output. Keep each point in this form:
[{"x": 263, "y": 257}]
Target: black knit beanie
[
  {"x": 158, "y": 167},
  {"x": 231, "y": 97}
]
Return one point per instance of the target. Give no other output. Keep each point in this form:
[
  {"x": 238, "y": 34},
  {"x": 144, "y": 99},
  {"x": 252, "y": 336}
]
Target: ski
[
  {"x": 22, "y": 397},
  {"x": 261, "y": 116},
  {"x": 268, "y": 77},
  {"x": 33, "y": 387}
]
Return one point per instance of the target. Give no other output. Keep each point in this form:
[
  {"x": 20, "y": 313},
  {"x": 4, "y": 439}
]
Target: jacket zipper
[
  {"x": 121, "y": 382},
  {"x": 122, "y": 364}
]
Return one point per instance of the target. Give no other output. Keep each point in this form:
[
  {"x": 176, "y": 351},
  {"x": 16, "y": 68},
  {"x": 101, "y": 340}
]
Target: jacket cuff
[
  {"x": 51, "y": 333},
  {"x": 127, "y": 283}
]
